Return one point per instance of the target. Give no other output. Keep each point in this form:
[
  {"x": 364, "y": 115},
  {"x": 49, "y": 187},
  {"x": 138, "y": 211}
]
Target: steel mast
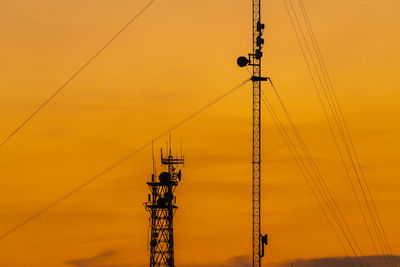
[
  {"x": 256, "y": 134},
  {"x": 254, "y": 60}
]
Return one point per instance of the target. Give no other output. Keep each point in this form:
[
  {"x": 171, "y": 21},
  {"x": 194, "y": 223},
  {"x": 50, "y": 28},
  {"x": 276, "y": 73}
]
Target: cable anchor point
[{"x": 259, "y": 79}]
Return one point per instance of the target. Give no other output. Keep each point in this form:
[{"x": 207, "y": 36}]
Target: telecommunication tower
[
  {"x": 161, "y": 206},
  {"x": 254, "y": 60}
]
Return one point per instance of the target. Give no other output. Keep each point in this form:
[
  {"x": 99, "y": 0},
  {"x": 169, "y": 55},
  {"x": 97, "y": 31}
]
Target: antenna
[
  {"x": 161, "y": 206},
  {"x": 181, "y": 148},
  {"x": 152, "y": 153},
  {"x": 170, "y": 145}
]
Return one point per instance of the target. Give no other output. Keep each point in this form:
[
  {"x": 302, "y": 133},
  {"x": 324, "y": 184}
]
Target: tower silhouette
[
  {"x": 161, "y": 206},
  {"x": 254, "y": 60}
]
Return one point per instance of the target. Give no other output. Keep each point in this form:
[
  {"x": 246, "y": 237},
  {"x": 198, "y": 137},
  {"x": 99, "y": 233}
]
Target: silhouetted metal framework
[
  {"x": 161, "y": 206},
  {"x": 254, "y": 60},
  {"x": 256, "y": 63}
]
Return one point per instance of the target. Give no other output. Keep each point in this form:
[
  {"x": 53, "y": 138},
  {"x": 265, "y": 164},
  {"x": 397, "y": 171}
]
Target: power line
[
  {"x": 119, "y": 162},
  {"x": 74, "y": 75}
]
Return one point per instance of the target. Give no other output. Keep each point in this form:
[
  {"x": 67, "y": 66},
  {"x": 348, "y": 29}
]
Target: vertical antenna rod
[
  {"x": 254, "y": 60},
  {"x": 152, "y": 154}
]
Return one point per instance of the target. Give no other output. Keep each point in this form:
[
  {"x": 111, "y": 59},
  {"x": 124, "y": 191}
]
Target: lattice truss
[{"x": 162, "y": 208}]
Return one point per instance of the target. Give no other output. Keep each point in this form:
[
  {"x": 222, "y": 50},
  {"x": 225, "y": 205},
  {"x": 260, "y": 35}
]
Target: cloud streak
[
  {"x": 338, "y": 262},
  {"x": 237, "y": 261},
  {"x": 245, "y": 261},
  {"x": 103, "y": 259}
]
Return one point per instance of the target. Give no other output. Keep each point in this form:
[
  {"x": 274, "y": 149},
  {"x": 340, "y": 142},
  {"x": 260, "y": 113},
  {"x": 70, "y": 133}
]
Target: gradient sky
[{"x": 177, "y": 57}]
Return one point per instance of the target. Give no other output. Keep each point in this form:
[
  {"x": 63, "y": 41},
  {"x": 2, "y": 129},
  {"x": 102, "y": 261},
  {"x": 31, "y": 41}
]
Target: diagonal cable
[
  {"x": 307, "y": 175},
  {"x": 318, "y": 181},
  {"x": 336, "y": 117},
  {"x": 346, "y": 133},
  {"x": 119, "y": 162},
  {"x": 67, "y": 82}
]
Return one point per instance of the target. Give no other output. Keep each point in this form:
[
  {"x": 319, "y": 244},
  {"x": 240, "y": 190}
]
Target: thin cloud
[
  {"x": 237, "y": 261},
  {"x": 101, "y": 260},
  {"x": 337, "y": 262},
  {"x": 106, "y": 259},
  {"x": 245, "y": 261}
]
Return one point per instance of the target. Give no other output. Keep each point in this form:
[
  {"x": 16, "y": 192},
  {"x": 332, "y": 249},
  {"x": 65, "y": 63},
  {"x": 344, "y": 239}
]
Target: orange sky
[{"x": 178, "y": 56}]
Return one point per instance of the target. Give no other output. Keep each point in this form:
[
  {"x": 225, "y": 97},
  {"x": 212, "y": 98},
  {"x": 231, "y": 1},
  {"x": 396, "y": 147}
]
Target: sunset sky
[{"x": 178, "y": 56}]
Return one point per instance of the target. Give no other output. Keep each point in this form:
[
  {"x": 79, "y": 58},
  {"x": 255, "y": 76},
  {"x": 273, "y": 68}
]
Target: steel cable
[
  {"x": 313, "y": 164},
  {"x": 36, "y": 111},
  {"x": 310, "y": 71},
  {"x": 304, "y": 171},
  {"x": 325, "y": 111},
  {"x": 320, "y": 184},
  {"x": 334, "y": 107},
  {"x": 118, "y": 163},
  {"x": 341, "y": 118},
  {"x": 328, "y": 95}
]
